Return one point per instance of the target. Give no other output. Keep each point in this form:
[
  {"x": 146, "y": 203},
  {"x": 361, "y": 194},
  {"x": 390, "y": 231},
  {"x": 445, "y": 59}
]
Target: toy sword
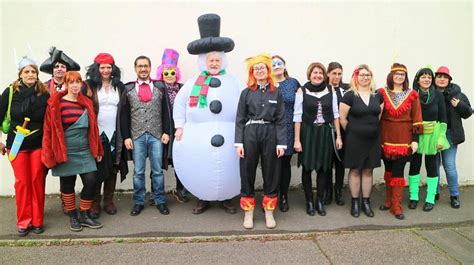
[{"x": 21, "y": 133}]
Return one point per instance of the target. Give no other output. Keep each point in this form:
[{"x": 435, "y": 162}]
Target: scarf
[
  {"x": 200, "y": 89},
  {"x": 315, "y": 88}
]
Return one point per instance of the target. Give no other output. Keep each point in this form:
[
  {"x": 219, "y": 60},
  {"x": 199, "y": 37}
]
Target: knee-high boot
[
  {"x": 397, "y": 195},
  {"x": 387, "y": 176},
  {"x": 109, "y": 190}
]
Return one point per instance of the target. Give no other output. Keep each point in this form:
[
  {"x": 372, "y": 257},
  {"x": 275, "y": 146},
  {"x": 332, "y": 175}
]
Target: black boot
[
  {"x": 309, "y": 204},
  {"x": 284, "y": 203},
  {"x": 355, "y": 207},
  {"x": 328, "y": 196},
  {"x": 86, "y": 221},
  {"x": 367, "y": 208},
  {"x": 74, "y": 221},
  {"x": 338, "y": 197},
  {"x": 320, "y": 206}
]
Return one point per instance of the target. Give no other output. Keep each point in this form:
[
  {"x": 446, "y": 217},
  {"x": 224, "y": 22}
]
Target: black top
[
  {"x": 363, "y": 119},
  {"x": 432, "y": 105},
  {"x": 312, "y": 103},
  {"x": 26, "y": 103},
  {"x": 261, "y": 104}
]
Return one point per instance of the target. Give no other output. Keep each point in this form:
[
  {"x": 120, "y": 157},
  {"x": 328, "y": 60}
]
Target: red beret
[{"x": 104, "y": 58}]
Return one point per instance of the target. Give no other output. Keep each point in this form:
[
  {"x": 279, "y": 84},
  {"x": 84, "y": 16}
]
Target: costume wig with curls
[{"x": 93, "y": 75}]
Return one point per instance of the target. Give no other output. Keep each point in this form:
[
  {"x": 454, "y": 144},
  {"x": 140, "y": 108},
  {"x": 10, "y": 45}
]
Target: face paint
[{"x": 277, "y": 64}]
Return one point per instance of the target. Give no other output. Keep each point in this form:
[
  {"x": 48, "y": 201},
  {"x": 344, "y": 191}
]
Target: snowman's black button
[
  {"x": 217, "y": 140},
  {"x": 215, "y": 106},
  {"x": 215, "y": 82}
]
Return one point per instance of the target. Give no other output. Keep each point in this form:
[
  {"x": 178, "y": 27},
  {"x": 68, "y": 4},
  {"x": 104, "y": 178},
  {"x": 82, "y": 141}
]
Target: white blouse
[
  {"x": 298, "y": 107},
  {"x": 108, "y": 104}
]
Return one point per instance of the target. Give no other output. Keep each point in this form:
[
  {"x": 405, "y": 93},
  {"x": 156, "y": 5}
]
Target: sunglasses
[{"x": 169, "y": 73}]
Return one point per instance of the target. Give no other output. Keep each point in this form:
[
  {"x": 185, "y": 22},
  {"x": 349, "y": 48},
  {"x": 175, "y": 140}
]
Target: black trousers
[
  {"x": 430, "y": 165},
  {"x": 89, "y": 181},
  {"x": 339, "y": 174},
  {"x": 321, "y": 183},
  {"x": 285, "y": 174},
  {"x": 260, "y": 144},
  {"x": 396, "y": 166}
]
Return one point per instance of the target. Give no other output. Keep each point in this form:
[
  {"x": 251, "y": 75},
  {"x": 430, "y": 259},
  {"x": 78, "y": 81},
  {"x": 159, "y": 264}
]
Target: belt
[
  {"x": 321, "y": 124},
  {"x": 257, "y": 122}
]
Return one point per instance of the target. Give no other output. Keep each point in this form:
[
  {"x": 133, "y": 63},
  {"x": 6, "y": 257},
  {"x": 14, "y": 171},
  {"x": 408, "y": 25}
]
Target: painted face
[
  {"x": 142, "y": 69},
  {"x": 213, "y": 63},
  {"x": 105, "y": 71},
  {"x": 74, "y": 87},
  {"x": 364, "y": 78},
  {"x": 335, "y": 77},
  {"x": 425, "y": 81},
  {"x": 442, "y": 80},
  {"x": 399, "y": 77},
  {"x": 28, "y": 75},
  {"x": 278, "y": 66},
  {"x": 317, "y": 76},
  {"x": 260, "y": 71},
  {"x": 59, "y": 70},
  {"x": 169, "y": 75}
]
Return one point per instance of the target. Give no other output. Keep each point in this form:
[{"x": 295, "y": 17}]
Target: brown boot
[
  {"x": 397, "y": 195},
  {"x": 388, "y": 192},
  {"x": 109, "y": 190}
]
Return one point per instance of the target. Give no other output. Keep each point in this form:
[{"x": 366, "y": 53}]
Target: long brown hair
[{"x": 40, "y": 87}]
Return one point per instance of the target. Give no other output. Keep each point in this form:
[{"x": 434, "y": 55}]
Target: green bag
[{"x": 7, "y": 119}]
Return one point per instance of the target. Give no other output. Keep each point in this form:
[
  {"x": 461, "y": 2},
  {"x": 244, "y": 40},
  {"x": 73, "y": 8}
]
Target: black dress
[{"x": 362, "y": 132}]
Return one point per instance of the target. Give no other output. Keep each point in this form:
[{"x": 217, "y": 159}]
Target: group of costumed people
[{"x": 215, "y": 131}]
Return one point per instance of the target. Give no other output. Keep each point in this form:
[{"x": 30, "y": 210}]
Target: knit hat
[
  {"x": 104, "y": 58},
  {"x": 169, "y": 61},
  {"x": 58, "y": 56},
  {"x": 210, "y": 41}
]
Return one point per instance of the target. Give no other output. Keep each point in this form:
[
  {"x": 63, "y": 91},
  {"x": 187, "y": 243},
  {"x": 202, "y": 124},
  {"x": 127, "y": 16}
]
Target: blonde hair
[{"x": 355, "y": 83}]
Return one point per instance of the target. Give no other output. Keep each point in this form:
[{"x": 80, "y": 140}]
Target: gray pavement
[{"x": 443, "y": 236}]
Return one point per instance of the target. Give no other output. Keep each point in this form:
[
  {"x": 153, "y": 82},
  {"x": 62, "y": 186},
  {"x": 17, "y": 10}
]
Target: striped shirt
[{"x": 70, "y": 112}]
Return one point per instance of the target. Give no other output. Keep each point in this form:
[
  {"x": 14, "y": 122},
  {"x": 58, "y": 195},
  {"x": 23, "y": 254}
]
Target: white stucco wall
[{"x": 375, "y": 33}]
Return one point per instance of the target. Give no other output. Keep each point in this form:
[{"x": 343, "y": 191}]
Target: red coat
[{"x": 54, "y": 146}]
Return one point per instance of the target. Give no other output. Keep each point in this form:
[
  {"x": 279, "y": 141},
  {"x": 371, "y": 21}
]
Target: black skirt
[{"x": 316, "y": 141}]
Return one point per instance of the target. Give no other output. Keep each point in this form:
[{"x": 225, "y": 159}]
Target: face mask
[{"x": 277, "y": 64}]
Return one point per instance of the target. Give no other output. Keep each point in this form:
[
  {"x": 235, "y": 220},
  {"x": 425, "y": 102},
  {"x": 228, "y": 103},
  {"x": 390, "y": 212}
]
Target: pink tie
[{"x": 144, "y": 92}]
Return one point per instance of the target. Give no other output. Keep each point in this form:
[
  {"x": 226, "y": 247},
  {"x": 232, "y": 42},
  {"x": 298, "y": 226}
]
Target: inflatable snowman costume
[{"x": 205, "y": 109}]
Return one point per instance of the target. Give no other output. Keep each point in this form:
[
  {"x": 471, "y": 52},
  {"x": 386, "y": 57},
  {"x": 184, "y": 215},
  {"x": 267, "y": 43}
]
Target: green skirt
[
  {"x": 317, "y": 145},
  {"x": 434, "y": 133}
]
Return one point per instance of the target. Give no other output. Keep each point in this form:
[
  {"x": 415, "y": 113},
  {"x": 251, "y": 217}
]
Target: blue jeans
[
  {"x": 148, "y": 146},
  {"x": 448, "y": 158}
]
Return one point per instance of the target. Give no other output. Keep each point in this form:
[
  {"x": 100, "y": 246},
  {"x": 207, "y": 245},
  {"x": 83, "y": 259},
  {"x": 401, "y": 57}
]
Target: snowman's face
[{"x": 213, "y": 63}]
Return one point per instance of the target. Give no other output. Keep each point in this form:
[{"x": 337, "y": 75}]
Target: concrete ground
[{"x": 444, "y": 235}]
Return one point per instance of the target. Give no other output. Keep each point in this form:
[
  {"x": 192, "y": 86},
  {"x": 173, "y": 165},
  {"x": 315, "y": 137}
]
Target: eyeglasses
[
  {"x": 260, "y": 69},
  {"x": 365, "y": 75},
  {"x": 171, "y": 73}
]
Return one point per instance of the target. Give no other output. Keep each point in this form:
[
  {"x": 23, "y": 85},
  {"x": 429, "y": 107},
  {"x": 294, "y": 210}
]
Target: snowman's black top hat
[{"x": 209, "y": 29}]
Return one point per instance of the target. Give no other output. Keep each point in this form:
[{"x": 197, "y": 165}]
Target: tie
[{"x": 144, "y": 92}]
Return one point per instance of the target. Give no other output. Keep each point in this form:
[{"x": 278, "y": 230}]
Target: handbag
[{"x": 6, "y": 121}]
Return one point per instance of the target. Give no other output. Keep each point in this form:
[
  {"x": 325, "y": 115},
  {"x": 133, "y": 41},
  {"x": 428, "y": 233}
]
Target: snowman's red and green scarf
[{"x": 198, "y": 96}]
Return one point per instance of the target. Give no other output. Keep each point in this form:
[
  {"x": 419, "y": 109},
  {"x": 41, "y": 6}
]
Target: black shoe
[
  {"x": 93, "y": 215},
  {"x": 384, "y": 208},
  {"x": 327, "y": 197},
  {"x": 151, "y": 201},
  {"x": 283, "y": 205},
  {"x": 228, "y": 207},
  {"x": 412, "y": 204},
  {"x": 367, "y": 208},
  {"x": 201, "y": 207},
  {"x": 180, "y": 196},
  {"x": 338, "y": 197},
  {"x": 23, "y": 232},
  {"x": 74, "y": 224},
  {"x": 437, "y": 197},
  {"x": 86, "y": 221},
  {"x": 400, "y": 216},
  {"x": 136, "y": 210},
  {"x": 455, "y": 203},
  {"x": 37, "y": 229},
  {"x": 355, "y": 208},
  {"x": 310, "y": 208},
  {"x": 428, "y": 207},
  {"x": 320, "y": 207},
  {"x": 163, "y": 209}
]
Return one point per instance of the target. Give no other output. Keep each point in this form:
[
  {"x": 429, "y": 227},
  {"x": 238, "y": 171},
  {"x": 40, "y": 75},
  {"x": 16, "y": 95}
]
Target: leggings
[
  {"x": 396, "y": 166},
  {"x": 430, "y": 165},
  {"x": 89, "y": 181},
  {"x": 285, "y": 174}
]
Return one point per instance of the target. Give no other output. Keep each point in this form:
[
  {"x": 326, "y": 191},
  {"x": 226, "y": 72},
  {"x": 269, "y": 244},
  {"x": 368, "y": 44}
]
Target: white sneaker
[
  {"x": 269, "y": 220},
  {"x": 248, "y": 219}
]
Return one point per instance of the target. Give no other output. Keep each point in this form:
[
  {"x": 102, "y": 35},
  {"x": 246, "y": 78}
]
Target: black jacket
[{"x": 454, "y": 114}]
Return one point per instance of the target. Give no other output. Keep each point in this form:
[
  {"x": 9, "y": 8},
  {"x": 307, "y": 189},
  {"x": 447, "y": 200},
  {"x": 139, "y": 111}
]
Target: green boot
[
  {"x": 414, "y": 186},
  {"x": 432, "y": 185}
]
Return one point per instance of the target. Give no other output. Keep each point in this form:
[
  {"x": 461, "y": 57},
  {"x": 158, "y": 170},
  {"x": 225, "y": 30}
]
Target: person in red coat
[{"x": 71, "y": 145}]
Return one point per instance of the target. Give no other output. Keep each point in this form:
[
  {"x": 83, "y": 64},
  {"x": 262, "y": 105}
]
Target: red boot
[
  {"x": 397, "y": 195},
  {"x": 388, "y": 192}
]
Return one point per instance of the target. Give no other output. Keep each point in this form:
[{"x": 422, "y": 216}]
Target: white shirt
[
  {"x": 108, "y": 104},
  {"x": 298, "y": 107}
]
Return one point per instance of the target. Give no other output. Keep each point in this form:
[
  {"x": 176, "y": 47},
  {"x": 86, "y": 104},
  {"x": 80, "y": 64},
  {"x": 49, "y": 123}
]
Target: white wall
[{"x": 375, "y": 33}]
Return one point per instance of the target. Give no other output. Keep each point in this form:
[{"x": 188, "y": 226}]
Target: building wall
[{"x": 374, "y": 33}]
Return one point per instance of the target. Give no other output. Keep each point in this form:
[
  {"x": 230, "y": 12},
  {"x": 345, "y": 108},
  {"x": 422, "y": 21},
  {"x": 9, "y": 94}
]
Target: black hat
[
  {"x": 209, "y": 29},
  {"x": 58, "y": 56}
]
